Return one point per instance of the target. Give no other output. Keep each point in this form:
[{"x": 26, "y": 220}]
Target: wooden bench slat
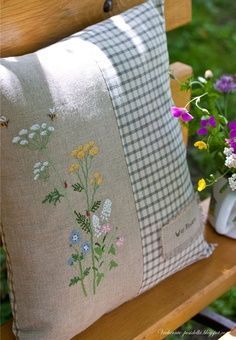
[
  {"x": 28, "y": 26},
  {"x": 172, "y": 302}
]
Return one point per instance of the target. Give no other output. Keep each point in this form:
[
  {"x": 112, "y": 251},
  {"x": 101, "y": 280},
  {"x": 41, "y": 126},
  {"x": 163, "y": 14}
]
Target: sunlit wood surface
[{"x": 29, "y": 25}]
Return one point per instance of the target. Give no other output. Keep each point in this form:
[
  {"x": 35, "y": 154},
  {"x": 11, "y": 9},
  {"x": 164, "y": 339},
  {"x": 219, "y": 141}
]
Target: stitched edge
[{"x": 11, "y": 284}]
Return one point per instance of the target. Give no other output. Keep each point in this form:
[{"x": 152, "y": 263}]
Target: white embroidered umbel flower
[
  {"x": 230, "y": 161},
  {"x": 43, "y": 126},
  {"x": 40, "y": 170},
  {"x": 51, "y": 128},
  {"x": 232, "y": 182},
  {"x": 24, "y": 142},
  {"x": 16, "y": 139},
  {"x": 43, "y": 133},
  {"x": 35, "y": 127},
  {"x": 23, "y": 132},
  {"x": 32, "y": 135},
  {"x": 228, "y": 151}
]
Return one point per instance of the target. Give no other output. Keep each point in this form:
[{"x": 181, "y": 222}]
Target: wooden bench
[{"x": 27, "y": 26}]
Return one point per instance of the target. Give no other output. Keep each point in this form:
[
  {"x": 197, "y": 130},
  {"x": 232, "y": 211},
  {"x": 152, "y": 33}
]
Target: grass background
[{"x": 207, "y": 43}]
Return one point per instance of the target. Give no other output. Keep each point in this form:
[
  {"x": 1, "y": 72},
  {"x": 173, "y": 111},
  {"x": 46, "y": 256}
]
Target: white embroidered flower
[
  {"x": 96, "y": 225},
  {"x": 37, "y": 165},
  {"x": 41, "y": 169},
  {"x": 16, "y": 139},
  {"x": 35, "y": 127},
  {"x": 43, "y": 126},
  {"x": 31, "y": 135},
  {"x": 23, "y": 132},
  {"x": 232, "y": 182},
  {"x": 51, "y": 128},
  {"x": 43, "y": 133},
  {"x": 24, "y": 142},
  {"x": 36, "y": 177},
  {"x": 106, "y": 209},
  {"x": 230, "y": 161},
  {"x": 228, "y": 151}
]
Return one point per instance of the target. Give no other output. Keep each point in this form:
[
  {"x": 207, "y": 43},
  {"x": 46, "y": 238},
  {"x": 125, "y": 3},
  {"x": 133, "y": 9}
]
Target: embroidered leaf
[
  {"x": 99, "y": 278},
  {"x": 75, "y": 280},
  {"x": 77, "y": 257},
  {"x": 53, "y": 197},
  {"x": 101, "y": 264},
  {"x": 96, "y": 258},
  {"x": 86, "y": 271},
  {"x": 95, "y": 206},
  {"x": 78, "y": 187},
  {"x": 112, "y": 250},
  {"x": 113, "y": 264},
  {"x": 98, "y": 251},
  {"x": 83, "y": 221}
]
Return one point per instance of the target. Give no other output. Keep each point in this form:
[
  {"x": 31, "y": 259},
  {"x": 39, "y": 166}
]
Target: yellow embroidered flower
[
  {"x": 94, "y": 151},
  {"x": 78, "y": 153},
  {"x": 201, "y": 184},
  {"x": 89, "y": 145},
  {"x": 200, "y": 145},
  {"x": 96, "y": 179},
  {"x": 73, "y": 168}
]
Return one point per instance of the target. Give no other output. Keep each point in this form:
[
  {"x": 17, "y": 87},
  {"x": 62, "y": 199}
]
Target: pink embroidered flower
[
  {"x": 181, "y": 113},
  {"x": 106, "y": 228},
  {"x": 120, "y": 241}
]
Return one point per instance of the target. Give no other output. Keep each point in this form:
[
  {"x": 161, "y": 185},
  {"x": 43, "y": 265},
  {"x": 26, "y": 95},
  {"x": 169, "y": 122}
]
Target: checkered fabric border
[{"x": 134, "y": 63}]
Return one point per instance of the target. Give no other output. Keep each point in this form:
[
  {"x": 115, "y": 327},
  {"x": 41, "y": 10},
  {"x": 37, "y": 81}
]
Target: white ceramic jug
[{"x": 222, "y": 212}]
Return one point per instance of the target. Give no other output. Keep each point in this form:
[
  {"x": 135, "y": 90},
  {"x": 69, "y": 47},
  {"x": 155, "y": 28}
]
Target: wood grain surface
[{"x": 29, "y": 25}]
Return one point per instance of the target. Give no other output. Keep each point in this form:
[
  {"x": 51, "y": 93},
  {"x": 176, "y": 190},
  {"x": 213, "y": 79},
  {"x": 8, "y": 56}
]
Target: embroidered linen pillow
[{"x": 97, "y": 201}]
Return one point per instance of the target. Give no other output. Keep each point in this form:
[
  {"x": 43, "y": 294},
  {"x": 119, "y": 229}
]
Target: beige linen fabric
[{"x": 37, "y": 234}]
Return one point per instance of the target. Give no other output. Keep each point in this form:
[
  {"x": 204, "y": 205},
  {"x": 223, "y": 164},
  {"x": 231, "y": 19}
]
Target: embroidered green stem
[{"x": 81, "y": 273}]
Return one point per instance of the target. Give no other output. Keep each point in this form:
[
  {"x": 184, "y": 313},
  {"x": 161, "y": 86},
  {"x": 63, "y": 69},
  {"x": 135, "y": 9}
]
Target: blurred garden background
[{"x": 209, "y": 42}]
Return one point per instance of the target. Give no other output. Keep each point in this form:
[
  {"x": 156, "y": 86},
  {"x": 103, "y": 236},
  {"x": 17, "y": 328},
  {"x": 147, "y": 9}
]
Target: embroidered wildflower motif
[
  {"x": 35, "y": 138},
  {"x": 106, "y": 210},
  {"x": 94, "y": 242},
  {"x": 41, "y": 170},
  {"x": 74, "y": 237},
  {"x": 96, "y": 226}
]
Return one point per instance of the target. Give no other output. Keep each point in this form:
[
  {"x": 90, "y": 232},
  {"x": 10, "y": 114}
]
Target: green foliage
[
  {"x": 226, "y": 304},
  {"x": 74, "y": 281},
  {"x": 112, "y": 264},
  {"x": 83, "y": 221},
  {"x": 53, "y": 197},
  {"x": 112, "y": 250},
  {"x": 77, "y": 187},
  {"x": 95, "y": 206},
  {"x": 99, "y": 278}
]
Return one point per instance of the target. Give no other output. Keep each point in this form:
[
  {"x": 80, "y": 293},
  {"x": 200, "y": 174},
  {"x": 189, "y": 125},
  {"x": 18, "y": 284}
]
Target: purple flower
[
  {"x": 202, "y": 131},
  {"x": 74, "y": 237},
  {"x": 181, "y": 113},
  {"x": 205, "y": 123},
  {"x": 232, "y": 125},
  {"x": 232, "y": 143},
  {"x": 225, "y": 84}
]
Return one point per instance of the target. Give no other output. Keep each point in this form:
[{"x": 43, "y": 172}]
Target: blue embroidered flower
[
  {"x": 86, "y": 247},
  {"x": 70, "y": 261},
  {"x": 74, "y": 237}
]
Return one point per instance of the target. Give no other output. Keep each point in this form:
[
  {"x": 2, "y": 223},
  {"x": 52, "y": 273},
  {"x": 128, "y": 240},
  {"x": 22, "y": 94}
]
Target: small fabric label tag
[{"x": 180, "y": 233}]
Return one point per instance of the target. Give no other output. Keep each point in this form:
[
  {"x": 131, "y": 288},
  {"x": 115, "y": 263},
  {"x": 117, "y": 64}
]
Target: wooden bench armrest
[{"x": 172, "y": 302}]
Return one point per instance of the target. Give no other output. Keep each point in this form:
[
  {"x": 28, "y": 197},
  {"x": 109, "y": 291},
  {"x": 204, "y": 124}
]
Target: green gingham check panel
[{"x": 134, "y": 62}]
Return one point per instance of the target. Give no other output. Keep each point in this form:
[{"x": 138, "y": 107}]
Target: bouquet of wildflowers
[{"x": 212, "y": 124}]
